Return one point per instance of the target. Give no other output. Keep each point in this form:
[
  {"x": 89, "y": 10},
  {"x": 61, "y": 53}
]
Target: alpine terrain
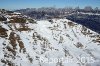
[{"x": 53, "y": 42}]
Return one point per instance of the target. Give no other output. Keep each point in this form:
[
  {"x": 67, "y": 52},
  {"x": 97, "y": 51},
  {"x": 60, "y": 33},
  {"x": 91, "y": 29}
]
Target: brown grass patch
[
  {"x": 85, "y": 31},
  {"x": 17, "y": 20},
  {"x": 3, "y": 32},
  {"x": 11, "y": 50},
  {"x": 12, "y": 39},
  {"x": 21, "y": 44},
  {"x": 31, "y": 21},
  {"x": 97, "y": 40},
  {"x": 71, "y": 24},
  {"x": 23, "y": 29}
]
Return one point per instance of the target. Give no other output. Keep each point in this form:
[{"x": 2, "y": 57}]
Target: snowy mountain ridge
[{"x": 24, "y": 44}]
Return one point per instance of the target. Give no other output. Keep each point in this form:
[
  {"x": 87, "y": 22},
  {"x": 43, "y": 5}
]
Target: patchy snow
[{"x": 57, "y": 39}]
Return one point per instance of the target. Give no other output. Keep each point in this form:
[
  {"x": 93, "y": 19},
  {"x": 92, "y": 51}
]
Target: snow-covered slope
[{"x": 58, "y": 42}]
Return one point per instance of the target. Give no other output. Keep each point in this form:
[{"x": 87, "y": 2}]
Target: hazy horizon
[{"x": 22, "y": 4}]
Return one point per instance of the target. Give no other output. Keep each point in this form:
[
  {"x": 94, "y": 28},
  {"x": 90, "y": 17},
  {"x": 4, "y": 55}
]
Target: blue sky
[{"x": 18, "y": 4}]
